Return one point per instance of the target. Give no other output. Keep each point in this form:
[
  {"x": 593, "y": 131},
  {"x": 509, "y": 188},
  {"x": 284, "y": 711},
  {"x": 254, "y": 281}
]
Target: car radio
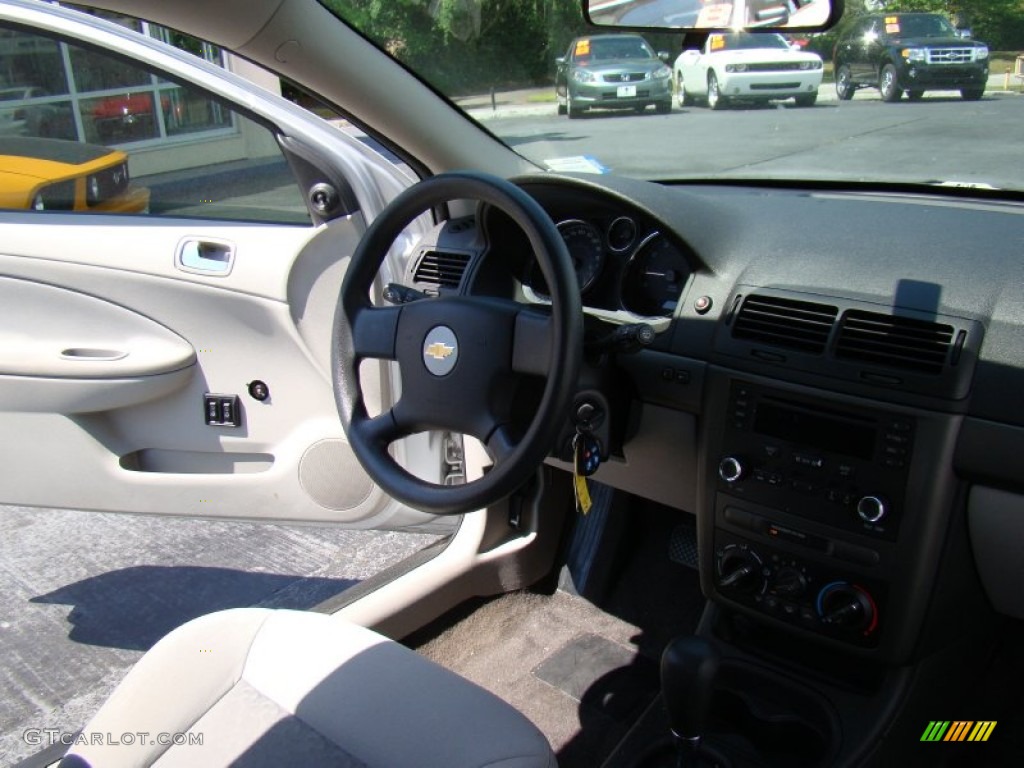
[{"x": 840, "y": 467}]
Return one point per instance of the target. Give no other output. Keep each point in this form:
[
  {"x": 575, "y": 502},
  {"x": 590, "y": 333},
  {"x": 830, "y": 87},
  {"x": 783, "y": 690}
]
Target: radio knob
[
  {"x": 731, "y": 469},
  {"x": 871, "y": 509}
]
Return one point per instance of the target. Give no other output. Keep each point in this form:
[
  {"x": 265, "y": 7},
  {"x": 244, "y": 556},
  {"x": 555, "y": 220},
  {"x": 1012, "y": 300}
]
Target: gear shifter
[{"x": 689, "y": 666}]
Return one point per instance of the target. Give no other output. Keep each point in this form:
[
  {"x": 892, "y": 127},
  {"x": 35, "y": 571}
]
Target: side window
[{"x": 82, "y": 130}]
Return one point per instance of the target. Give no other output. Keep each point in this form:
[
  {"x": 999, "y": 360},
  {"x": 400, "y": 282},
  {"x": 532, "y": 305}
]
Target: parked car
[
  {"x": 747, "y": 66},
  {"x": 612, "y": 72},
  {"x": 727, "y": 432},
  {"x": 908, "y": 53},
  {"x": 58, "y": 175}
]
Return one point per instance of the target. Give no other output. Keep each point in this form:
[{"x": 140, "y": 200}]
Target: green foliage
[{"x": 467, "y": 46}]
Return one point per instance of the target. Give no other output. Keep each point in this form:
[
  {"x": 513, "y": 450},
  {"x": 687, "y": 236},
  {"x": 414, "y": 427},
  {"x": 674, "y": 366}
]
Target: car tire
[
  {"x": 562, "y": 109},
  {"x": 889, "y": 84},
  {"x": 806, "y": 99},
  {"x": 844, "y": 83},
  {"x": 971, "y": 94},
  {"x": 915, "y": 95},
  {"x": 571, "y": 109},
  {"x": 715, "y": 98},
  {"x": 681, "y": 97},
  {"x": 663, "y": 107}
]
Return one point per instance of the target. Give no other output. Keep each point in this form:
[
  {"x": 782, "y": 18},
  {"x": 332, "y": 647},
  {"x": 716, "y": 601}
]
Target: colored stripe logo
[{"x": 958, "y": 730}]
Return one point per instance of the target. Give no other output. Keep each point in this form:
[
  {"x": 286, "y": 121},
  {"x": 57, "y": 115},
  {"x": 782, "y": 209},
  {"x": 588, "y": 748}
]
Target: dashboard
[{"x": 833, "y": 387}]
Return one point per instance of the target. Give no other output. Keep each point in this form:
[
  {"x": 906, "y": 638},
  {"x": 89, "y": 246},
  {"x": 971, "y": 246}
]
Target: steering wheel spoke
[
  {"x": 383, "y": 429},
  {"x": 531, "y": 343},
  {"x": 374, "y": 330},
  {"x": 501, "y": 445}
]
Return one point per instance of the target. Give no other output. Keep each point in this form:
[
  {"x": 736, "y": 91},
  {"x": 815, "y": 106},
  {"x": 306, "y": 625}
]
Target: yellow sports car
[{"x": 57, "y": 175}]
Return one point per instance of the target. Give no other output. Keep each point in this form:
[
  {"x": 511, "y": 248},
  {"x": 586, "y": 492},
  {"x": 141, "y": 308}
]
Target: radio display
[{"x": 844, "y": 436}]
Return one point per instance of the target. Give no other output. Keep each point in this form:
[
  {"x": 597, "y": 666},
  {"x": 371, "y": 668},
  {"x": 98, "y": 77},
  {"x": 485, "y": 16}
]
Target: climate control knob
[
  {"x": 871, "y": 509},
  {"x": 788, "y": 582},
  {"x": 741, "y": 570},
  {"x": 731, "y": 469},
  {"x": 847, "y": 606}
]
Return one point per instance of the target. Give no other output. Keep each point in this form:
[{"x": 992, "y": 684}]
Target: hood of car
[
  {"x": 30, "y": 149},
  {"x": 52, "y": 159},
  {"x": 767, "y": 54},
  {"x": 622, "y": 65},
  {"x": 933, "y": 42}
]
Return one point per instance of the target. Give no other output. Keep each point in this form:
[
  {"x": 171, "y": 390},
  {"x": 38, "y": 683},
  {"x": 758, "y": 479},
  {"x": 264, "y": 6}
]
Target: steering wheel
[{"x": 461, "y": 357}]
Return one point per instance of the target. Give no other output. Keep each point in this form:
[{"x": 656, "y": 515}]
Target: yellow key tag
[
  {"x": 579, "y": 482},
  {"x": 583, "y": 494}
]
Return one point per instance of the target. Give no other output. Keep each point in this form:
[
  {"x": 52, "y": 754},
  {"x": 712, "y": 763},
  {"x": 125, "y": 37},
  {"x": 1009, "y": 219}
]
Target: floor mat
[{"x": 569, "y": 667}]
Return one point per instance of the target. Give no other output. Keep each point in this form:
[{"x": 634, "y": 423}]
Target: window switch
[{"x": 222, "y": 410}]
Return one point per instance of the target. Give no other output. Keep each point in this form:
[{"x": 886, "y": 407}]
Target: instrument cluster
[{"x": 621, "y": 264}]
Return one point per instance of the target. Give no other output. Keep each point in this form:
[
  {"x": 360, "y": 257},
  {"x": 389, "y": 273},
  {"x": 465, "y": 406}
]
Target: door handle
[{"x": 205, "y": 256}]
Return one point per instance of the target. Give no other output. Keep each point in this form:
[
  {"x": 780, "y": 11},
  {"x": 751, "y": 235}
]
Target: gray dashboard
[{"x": 886, "y": 303}]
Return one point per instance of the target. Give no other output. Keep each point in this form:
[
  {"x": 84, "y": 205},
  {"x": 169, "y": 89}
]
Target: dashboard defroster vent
[
  {"x": 894, "y": 341},
  {"x": 782, "y": 322},
  {"x": 441, "y": 268}
]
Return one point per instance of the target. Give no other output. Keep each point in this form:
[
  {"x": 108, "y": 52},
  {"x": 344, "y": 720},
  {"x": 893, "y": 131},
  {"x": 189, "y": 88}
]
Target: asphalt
[{"x": 84, "y": 594}]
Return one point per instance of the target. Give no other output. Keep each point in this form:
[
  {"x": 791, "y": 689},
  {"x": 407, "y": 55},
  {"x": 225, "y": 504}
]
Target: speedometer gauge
[
  {"x": 655, "y": 277},
  {"x": 586, "y": 248}
]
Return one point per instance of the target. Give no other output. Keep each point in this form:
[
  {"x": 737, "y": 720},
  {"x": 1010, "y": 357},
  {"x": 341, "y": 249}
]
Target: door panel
[
  {"x": 119, "y": 289},
  {"x": 129, "y": 343}
]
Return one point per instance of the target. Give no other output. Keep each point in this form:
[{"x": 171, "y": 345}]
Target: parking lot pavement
[{"x": 83, "y": 595}]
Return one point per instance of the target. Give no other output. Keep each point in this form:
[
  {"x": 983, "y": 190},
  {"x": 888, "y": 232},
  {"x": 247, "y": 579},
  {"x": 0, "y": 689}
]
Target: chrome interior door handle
[{"x": 205, "y": 256}]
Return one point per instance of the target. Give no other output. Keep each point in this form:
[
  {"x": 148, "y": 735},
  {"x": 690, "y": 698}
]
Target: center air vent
[
  {"x": 894, "y": 342},
  {"x": 441, "y": 268},
  {"x": 800, "y": 325}
]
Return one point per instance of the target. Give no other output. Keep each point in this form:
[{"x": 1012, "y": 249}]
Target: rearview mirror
[{"x": 714, "y": 14}]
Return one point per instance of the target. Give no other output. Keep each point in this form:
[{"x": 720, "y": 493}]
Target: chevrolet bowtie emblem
[{"x": 439, "y": 350}]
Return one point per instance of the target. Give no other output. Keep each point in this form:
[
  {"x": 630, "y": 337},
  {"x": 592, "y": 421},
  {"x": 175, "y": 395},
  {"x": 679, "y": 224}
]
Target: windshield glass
[
  {"x": 793, "y": 108},
  {"x": 926, "y": 25}
]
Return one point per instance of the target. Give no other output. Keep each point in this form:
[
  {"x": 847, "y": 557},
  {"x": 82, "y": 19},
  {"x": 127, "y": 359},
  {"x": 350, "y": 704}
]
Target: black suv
[{"x": 912, "y": 52}]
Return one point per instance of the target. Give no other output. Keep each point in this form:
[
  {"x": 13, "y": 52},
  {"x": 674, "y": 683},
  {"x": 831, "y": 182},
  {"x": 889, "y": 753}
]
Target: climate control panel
[{"x": 799, "y": 592}]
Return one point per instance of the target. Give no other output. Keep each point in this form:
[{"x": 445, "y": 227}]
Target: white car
[{"x": 747, "y": 66}]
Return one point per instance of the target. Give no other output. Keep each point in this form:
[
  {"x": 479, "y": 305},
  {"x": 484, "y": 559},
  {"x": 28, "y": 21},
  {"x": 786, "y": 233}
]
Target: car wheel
[
  {"x": 915, "y": 95},
  {"x": 806, "y": 99},
  {"x": 844, "y": 83},
  {"x": 681, "y": 97},
  {"x": 888, "y": 84},
  {"x": 971, "y": 94},
  {"x": 715, "y": 98},
  {"x": 562, "y": 109},
  {"x": 663, "y": 107},
  {"x": 571, "y": 109}
]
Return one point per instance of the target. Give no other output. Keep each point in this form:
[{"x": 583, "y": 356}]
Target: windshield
[
  {"x": 790, "y": 108},
  {"x": 926, "y": 25},
  {"x": 748, "y": 40},
  {"x": 610, "y": 47}
]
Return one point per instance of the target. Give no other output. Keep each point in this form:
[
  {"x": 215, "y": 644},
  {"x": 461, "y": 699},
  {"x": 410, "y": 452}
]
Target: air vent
[
  {"x": 894, "y": 342},
  {"x": 800, "y": 325},
  {"x": 441, "y": 268}
]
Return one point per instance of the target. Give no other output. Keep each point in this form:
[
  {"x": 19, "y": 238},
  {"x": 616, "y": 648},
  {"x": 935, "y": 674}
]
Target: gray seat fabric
[{"x": 259, "y": 687}]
